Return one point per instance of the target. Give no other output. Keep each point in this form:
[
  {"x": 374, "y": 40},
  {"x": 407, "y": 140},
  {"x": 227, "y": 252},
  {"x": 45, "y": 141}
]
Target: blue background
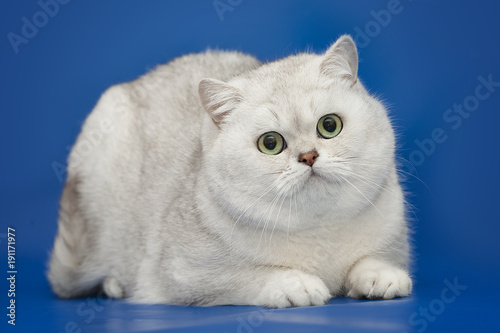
[{"x": 425, "y": 60}]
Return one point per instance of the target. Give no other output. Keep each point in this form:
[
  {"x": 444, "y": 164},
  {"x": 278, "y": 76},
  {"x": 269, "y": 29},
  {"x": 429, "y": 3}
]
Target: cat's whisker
[
  {"x": 266, "y": 191},
  {"x": 383, "y": 165},
  {"x": 371, "y": 182},
  {"x": 371, "y": 164},
  {"x": 288, "y": 179},
  {"x": 374, "y": 185},
  {"x": 405, "y": 160},
  {"x": 279, "y": 201},
  {"x": 360, "y": 192},
  {"x": 272, "y": 173},
  {"x": 276, "y": 221},
  {"x": 349, "y": 161},
  {"x": 368, "y": 181},
  {"x": 416, "y": 177},
  {"x": 288, "y": 224},
  {"x": 291, "y": 181},
  {"x": 268, "y": 217}
]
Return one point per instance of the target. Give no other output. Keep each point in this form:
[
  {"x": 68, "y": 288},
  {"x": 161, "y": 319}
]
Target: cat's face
[{"x": 299, "y": 146}]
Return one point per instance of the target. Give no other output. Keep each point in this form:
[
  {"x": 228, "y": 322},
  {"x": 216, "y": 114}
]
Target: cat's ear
[
  {"x": 218, "y": 98},
  {"x": 341, "y": 60}
]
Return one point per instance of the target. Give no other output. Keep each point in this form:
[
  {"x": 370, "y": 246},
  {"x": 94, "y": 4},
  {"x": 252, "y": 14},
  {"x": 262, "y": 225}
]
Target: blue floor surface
[{"x": 466, "y": 306}]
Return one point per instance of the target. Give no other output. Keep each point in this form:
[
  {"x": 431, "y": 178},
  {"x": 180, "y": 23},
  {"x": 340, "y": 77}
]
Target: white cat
[{"x": 268, "y": 184}]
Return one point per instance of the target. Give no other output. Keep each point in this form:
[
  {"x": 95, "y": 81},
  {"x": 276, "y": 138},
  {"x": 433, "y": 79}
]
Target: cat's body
[{"x": 176, "y": 204}]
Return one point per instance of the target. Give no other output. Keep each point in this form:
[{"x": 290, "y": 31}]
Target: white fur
[{"x": 174, "y": 203}]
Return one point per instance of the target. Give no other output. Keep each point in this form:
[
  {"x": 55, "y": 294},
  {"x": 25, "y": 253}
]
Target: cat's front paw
[
  {"x": 291, "y": 288},
  {"x": 383, "y": 282},
  {"x": 112, "y": 288}
]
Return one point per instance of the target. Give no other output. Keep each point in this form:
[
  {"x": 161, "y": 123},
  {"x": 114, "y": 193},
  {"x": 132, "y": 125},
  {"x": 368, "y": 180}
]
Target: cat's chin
[
  {"x": 318, "y": 181},
  {"x": 315, "y": 177},
  {"x": 318, "y": 176}
]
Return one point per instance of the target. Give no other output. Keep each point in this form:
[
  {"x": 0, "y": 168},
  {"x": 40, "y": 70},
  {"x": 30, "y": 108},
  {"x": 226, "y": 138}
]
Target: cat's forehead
[
  {"x": 296, "y": 102},
  {"x": 294, "y": 82},
  {"x": 280, "y": 76},
  {"x": 292, "y": 93},
  {"x": 291, "y": 115}
]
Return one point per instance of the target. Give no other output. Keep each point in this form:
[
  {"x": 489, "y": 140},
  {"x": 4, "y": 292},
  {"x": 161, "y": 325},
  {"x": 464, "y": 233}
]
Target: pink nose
[{"x": 308, "y": 158}]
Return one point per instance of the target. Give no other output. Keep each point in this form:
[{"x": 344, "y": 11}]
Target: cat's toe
[
  {"x": 293, "y": 288},
  {"x": 113, "y": 288},
  {"x": 401, "y": 288},
  {"x": 384, "y": 283}
]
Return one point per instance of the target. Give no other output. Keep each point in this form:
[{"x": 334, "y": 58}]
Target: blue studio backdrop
[{"x": 436, "y": 63}]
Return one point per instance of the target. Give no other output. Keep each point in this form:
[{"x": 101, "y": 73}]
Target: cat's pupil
[
  {"x": 329, "y": 124},
  {"x": 270, "y": 142}
]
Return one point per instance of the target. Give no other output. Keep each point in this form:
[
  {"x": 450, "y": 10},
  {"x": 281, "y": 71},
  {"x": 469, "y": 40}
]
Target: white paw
[
  {"x": 112, "y": 288},
  {"x": 384, "y": 282},
  {"x": 292, "y": 288}
]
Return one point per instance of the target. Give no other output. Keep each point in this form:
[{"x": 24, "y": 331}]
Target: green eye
[
  {"x": 271, "y": 143},
  {"x": 329, "y": 126}
]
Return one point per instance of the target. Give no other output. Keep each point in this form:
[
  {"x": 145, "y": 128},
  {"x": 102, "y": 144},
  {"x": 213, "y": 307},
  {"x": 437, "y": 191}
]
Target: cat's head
[{"x": 296, "y": 142}]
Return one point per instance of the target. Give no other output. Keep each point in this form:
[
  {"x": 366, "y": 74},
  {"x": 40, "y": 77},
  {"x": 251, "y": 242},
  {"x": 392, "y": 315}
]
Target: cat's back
[
  {"x": 166, "y": 99},
  {"x": 150, "y": 113},
  {"x": 173, "y": 87}
]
